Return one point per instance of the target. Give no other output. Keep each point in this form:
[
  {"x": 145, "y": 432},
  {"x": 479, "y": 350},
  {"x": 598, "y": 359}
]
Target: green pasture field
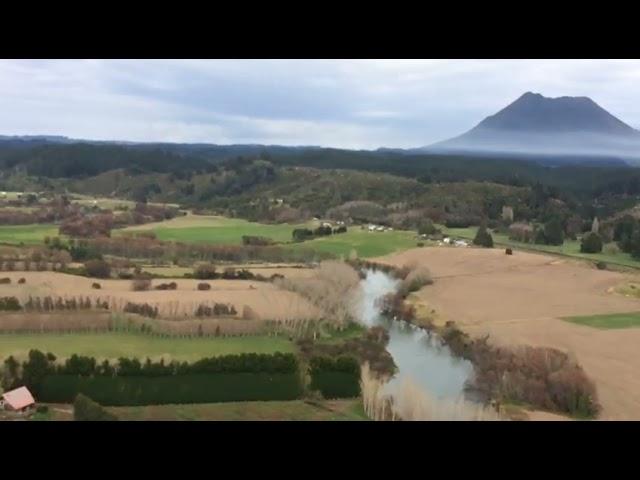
[
  {"x": 221, "y": 230},
  {"x": 608, "y": 321},
  {"x": 296, "y": 410},
  {"x": 114, "y": 345},
  {"x": 27, "y": 234},
  {"x": 214, "y": 230},
  {"x": 365, "y": 243}
]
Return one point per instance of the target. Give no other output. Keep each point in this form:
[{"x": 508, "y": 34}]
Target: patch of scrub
[
  {"x": 630, "y": 289},
  {"x": 425, "y": 314}
]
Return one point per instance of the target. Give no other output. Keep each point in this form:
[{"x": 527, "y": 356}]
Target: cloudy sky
[{"x": 340, "y": 103}]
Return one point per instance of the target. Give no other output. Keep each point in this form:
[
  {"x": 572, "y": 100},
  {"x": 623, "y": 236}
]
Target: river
[{"x": 417, "y": 354}]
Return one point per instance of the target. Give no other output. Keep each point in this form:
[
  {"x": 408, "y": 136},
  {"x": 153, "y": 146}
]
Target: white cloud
[{"x": 342, "y": 103}]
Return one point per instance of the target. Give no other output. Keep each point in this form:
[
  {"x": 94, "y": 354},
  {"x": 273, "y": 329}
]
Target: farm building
[
  {"x": 18, "y": 400},
  {"x": 378, "y": 228}
]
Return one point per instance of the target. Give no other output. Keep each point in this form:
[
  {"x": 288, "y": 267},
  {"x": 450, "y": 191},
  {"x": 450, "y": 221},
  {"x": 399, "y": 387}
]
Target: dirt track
[{"x": 518, "y": 299}]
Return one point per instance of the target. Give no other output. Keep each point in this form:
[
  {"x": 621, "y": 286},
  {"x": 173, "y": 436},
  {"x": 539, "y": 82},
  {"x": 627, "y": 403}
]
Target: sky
[{"x": 358, "y": 104}]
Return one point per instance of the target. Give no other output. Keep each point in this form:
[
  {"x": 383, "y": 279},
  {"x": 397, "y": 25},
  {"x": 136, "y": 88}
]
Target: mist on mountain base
[{"x": 574, "y": 144}]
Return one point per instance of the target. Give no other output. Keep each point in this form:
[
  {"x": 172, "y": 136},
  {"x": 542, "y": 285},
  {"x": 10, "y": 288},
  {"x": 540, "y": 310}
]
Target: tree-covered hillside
[{"x": 289, "y": 184}]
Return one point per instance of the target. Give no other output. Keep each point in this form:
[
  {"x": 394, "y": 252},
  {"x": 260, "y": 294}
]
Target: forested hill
[
  {"x": 82, "y": 160},
  {"x": 40, "y": 157},
  {"x": 283, "y": 184}
]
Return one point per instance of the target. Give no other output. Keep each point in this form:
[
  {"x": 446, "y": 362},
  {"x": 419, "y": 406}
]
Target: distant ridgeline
[{"x": 81, "y": 159}]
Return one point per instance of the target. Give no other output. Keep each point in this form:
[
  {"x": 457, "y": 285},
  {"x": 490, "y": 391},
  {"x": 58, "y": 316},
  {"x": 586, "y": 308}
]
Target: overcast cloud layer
[{"x": 340, "y": 103}]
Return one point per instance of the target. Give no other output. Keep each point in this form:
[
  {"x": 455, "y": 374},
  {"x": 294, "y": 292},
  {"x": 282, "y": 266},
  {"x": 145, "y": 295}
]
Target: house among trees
[
  {"x": 18, "y": 400},
  {"x": 378, "y": 228}
]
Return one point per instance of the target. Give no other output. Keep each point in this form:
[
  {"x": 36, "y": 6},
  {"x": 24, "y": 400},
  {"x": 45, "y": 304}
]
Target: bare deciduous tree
[{"x": 334, "y": 288}]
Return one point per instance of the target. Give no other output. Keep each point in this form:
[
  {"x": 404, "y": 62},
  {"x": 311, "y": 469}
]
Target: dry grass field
[
  {"x": 520, "y": 299},
  {"x": 265, "y": 299}
]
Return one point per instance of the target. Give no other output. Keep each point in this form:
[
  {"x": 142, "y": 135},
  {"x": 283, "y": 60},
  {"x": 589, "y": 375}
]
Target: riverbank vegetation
[
  {"x": 368, "y": 347},
  {"x": 409, "y": 402},
  {"x": 334, "y": 288},
  {"x": 541, "y": 377}
]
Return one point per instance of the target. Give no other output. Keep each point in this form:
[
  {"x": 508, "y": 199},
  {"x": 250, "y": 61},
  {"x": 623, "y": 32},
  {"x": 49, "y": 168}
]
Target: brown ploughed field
[{"x": 520, "y": 299}]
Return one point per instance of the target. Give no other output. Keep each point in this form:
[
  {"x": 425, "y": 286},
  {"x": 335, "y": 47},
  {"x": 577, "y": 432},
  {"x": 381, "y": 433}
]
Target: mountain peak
[
  {"x": 531, "y": 98},
  {"x": 530, "y": 95},
  {"x": 535, "y": 113},
  {"x": 534, "y": 123}
]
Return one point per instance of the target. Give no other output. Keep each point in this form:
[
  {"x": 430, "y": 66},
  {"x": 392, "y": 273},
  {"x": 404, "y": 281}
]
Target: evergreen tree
[
  {"x": 624, "y": 229},
  {"x": 553, "y": 232},
  {"x": 10, "y": 375},
  {"x": 539, "y": 238},
  {"x": 591, "y": 243},
  {"x": 634, "y": 244},
  {"x": 483, "y": 237},
  {"x": 36, "y": 369},
  {"x": 427, "y": 227}
]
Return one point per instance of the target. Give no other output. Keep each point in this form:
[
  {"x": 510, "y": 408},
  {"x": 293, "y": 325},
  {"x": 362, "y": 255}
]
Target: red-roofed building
[{"x": 19, "y": 400}]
